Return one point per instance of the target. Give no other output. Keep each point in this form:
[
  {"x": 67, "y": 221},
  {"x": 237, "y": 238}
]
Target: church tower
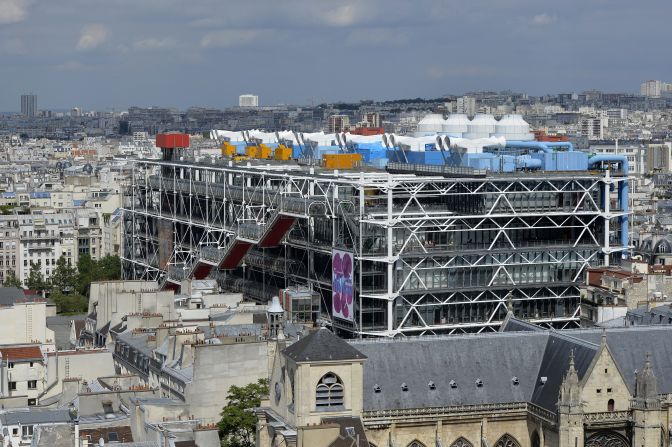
[
  {"x": 570, "y": 409},
  {"x": 646, "y": 408}
]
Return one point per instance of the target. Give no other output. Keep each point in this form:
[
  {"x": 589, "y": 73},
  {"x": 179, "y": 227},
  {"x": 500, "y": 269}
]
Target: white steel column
[
  {"x": 607, "y": 218},
  {"x": 390, "y": 266}
]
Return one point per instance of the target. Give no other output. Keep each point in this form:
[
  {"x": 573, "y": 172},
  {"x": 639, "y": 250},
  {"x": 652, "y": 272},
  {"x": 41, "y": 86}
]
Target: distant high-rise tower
[
  {"x": 466, "y": 105},
  {"x": 248, "y": 100},
  {"x": 651, "y": 89},
  {"x": 29, "y": 105}
]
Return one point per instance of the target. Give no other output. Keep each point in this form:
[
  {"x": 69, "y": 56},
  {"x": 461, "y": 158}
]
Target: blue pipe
[
  {"x": 538, "y": 145},
  {"x": 556, "y": 144},
  {"x": 546, "y": 146},
  {"x": 528, "y": 163},
  {"x": 623, "y": 191}
]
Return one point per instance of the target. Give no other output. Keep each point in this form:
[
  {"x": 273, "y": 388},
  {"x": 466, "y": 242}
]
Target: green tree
[
  {"x": 104, "y": 269},
  {"x": 109, "y": 268},
  {"x": 64, "y": 277},
  {"x": 86, "y": 268},
  {"x": 69, "y": 304},
  {"x": 35, "y": 280},
  {"x": 237, "y": 428},
  {"x": 11, "y": 280}
]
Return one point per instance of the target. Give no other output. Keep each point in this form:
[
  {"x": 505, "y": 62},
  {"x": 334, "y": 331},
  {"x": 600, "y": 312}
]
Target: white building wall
[{"x": 25, "y": 323}]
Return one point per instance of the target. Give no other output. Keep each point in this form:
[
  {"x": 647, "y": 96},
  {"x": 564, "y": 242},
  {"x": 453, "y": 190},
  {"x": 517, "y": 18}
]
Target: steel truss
[{"x": 433, "y": 254}]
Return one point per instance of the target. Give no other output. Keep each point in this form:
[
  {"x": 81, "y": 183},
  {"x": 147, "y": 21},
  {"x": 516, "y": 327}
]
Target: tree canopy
[
  {"x": 11, "y": 280},
  {"x": 237, "y": 428},
  {"x": 89, "y": 270},
  {"x": 35, "y": 280}
]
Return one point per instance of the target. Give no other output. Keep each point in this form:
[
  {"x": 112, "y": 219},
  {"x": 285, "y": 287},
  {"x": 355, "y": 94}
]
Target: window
[
  {"x": 599, "y": 390},
  {"x": 610, "y": 405},
  {"x": 12, "y": 386},
  {"x": 32, "y": 384},
  {"x": 32, "y": 364},
  {"x": 10, "y": 365},
  {"x": 15, "y": 431},
  {"x": 27, "y": 431},
  {"x": 112, "y": 436},
  {"x": 329, "y": 393},
  {"x": 608, "y": 390}
]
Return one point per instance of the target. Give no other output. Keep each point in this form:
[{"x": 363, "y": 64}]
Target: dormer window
[{"x": 329, "y": 395}]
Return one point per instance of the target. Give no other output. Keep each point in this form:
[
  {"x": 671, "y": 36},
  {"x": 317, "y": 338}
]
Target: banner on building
[{"x": 342, "y": 291}]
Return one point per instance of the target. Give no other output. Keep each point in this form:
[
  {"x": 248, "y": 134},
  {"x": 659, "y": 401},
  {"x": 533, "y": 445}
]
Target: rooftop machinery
[{"x": 417, "y": 244}]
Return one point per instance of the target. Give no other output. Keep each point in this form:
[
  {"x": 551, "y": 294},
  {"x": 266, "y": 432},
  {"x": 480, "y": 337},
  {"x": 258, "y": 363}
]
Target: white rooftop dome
[
  {"x": 431, "y": 123},
  {"x": 482, "y": 126},
  {"x": 513, "y": 127},
  {"x": 456, "y": 123}
]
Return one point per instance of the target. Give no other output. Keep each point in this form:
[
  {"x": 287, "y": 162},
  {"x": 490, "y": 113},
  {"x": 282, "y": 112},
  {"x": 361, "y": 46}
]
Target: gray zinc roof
[
  {"x": 494, "y": 359},
  {"x": 9, "y": 295},
  {"x": 322, "y": 345},
  {"x": 33, "y": 417},
  {"x": 555, "y": 363}
]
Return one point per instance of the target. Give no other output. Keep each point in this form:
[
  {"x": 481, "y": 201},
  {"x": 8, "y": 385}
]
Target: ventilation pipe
[{"x": 545, "y": 146}]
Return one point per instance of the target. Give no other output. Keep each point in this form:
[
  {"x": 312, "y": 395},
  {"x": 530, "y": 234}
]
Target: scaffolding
[{"x": 434, "y": 252}]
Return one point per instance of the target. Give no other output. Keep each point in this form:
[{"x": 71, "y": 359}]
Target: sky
[{"x": 111, "y": 54}]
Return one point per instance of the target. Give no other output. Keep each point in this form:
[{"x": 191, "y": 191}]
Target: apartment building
[
  {"x": 22, "y": 374},
  {"x": 43, "y": 239},
  {"x": 9, "y": 247}
]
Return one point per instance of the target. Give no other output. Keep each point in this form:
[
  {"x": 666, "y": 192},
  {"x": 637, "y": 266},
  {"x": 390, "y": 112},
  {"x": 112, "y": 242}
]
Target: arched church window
[
  {"x": 329, "y": 393},
  {"x": 507, "y": 441},
  {"x": 416, "y": 443},
  {"x": 461, "y": 442},
  {"x": 610, "y": 405}
]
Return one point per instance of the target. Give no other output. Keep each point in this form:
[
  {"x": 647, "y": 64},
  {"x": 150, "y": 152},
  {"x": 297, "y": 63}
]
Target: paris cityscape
[{"x": 335, "y": 224}]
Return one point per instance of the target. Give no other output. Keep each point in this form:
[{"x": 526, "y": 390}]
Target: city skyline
[{"x": 300, "y": 52}]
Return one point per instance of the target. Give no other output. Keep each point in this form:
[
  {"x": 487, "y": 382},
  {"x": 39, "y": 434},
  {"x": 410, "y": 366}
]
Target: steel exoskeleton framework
[{"x": 432, "y": 254}]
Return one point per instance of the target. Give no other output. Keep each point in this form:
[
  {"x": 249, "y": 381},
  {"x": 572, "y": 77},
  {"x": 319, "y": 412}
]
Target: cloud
[
  {"x": 232, "y": 38},
  {"x": 13, "y": 11},
  {"x": 344, "y": 15},
  {"x": 154, "y": 44},
  {"x": 543, "y": 19},
  {"x": 92, "y": 36},
  {"x": 376, "y": 37}
]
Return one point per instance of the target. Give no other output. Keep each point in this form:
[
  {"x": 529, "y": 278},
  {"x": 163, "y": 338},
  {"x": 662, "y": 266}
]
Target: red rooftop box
[{"x": 172, "y": 140}]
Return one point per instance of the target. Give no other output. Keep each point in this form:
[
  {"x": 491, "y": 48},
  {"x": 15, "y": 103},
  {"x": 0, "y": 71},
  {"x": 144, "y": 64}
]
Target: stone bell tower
[
  {"x": 646, "y": 408},
  {"x": 570, "y": 409}
]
